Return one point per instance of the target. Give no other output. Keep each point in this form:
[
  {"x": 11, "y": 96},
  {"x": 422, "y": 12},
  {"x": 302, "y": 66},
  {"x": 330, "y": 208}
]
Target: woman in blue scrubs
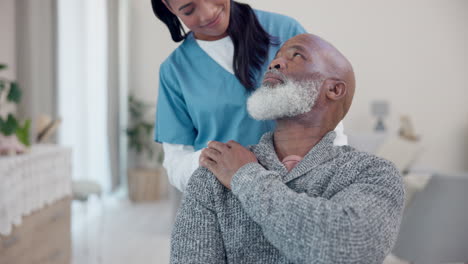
[{"x": 205, "y": 82}]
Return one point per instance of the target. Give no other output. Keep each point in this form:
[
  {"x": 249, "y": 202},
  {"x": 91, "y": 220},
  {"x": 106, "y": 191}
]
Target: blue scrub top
[{"x": 199, "y": 100}]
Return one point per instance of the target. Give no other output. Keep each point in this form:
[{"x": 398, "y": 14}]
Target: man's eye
[
  {"x": 297, "y": 54},
  {"x": 189, "y": 12}
]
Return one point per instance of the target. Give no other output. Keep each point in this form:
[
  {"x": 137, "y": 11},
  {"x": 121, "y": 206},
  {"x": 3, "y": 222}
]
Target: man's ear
[{"x": 335, "y": 89}]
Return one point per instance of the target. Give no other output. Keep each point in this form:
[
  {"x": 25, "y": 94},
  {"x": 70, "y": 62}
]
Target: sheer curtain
[{"x": 83, "y": 87}]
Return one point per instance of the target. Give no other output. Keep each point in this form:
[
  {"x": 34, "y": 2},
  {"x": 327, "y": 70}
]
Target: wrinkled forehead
[{"x": 304, "y": 43}]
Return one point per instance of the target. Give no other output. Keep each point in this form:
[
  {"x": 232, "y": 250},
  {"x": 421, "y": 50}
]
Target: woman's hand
[{"x": 224, "y": 160}]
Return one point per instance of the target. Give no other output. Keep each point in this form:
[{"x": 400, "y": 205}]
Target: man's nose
[{"x": 277, "y": 64}]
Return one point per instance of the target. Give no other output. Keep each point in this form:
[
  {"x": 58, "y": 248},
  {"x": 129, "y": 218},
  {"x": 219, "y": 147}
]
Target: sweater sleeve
[
  {"x": 357, "y": 225},
  {"x": 180, "y": 161},
  {"x": 196, "y": 237}
]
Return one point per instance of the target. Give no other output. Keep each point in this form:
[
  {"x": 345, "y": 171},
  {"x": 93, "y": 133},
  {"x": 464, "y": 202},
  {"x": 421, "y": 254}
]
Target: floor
[{"x": 113, "y": 230}]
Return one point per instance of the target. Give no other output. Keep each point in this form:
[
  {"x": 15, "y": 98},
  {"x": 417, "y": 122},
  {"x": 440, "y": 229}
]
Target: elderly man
[{"x": 294, "y": 197}]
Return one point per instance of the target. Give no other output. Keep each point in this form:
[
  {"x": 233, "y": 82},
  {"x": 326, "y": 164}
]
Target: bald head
[
  {"x": 332, "y": 64},
  {"x": 309, "y": 81},
  {"x": 307, "y": 58}
]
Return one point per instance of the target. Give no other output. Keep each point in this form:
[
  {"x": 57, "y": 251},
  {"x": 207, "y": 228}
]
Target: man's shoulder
[
  {"x": 202, "y": 178},
  {"x": 364, "y": 161},
  {"x": 203, "y": 185},
  {"x": 372, "y": 171}
]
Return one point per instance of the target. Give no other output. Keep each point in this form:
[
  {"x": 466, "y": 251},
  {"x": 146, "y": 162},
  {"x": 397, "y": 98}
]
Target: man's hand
[{"x": 224, "y": 160}]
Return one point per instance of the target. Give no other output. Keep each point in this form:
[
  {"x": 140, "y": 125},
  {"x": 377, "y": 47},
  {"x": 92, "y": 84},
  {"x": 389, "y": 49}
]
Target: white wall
[
  {"x": 35, "y": 58},
  {"x": 412, "y": 53},
  {"x": 7, "y": 41},
  {"x": 150, "y": 43}
]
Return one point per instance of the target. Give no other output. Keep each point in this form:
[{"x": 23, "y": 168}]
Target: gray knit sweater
[{"x": 338, "y": 205}]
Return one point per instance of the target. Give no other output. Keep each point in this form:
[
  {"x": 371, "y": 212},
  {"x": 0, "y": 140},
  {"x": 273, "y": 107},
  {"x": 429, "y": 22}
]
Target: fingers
[
  {"x": 221, "y": 147},
  {"x": 232, "y": 143},
  {"x": 207, "y": 163},
  {"x": 210, "y": 153}
]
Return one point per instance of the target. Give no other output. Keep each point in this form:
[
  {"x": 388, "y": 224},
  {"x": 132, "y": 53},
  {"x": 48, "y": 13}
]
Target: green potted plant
[
  {"x": 14, "y": 135},
  {"x": 140, "y": 130},
  {"x": 146, "y": 177}
]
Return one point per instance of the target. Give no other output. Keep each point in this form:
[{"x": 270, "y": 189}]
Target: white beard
[{"x": 283, "y": 100}]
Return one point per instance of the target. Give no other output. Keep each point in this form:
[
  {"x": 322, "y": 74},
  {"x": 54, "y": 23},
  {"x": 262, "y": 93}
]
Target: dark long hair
[{"x": 251, "y": 41}]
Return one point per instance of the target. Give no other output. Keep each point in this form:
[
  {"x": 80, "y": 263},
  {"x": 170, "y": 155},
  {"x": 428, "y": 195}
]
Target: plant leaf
[
  {"x": 139, "y": 130},
  {"x": 2, "y": 85},
  {"x": 161, "y": 157},
  {"x": 149, "y": 149},
  {"x": 3, "y": 66},
  {"x": 15, "y": 93},
  {"x": 22, "y": 132},
  {"x": 9, "y": 126},
  {"x": 148, "y": 127}
]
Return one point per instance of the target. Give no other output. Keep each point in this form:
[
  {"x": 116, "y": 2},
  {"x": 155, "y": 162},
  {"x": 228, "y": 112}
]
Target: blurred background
[{"x": 81, "y": 179}]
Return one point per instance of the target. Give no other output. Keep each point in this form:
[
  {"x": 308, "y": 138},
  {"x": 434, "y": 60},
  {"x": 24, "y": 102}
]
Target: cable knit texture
[{"x": 338, "y": 205}]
